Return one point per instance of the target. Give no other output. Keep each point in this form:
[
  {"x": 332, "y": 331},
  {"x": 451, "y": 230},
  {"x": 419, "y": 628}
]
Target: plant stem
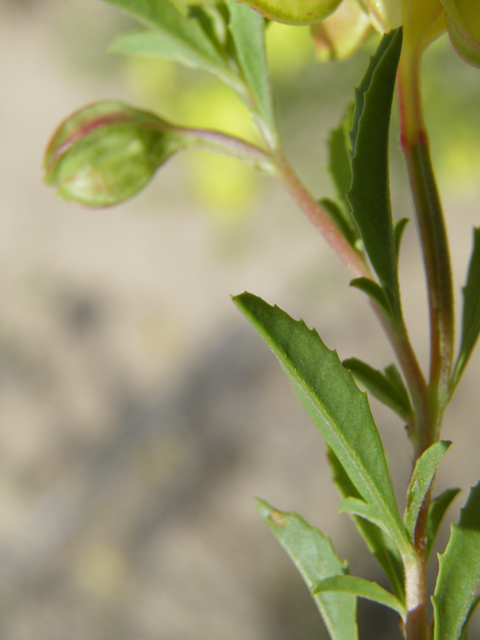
[
  {"x": 433, "y": 240},
  {"x": 434, "y": 244},
  {"x": 415, "y": 588},
  {"x": 357, "y": 267},
  {"x": 225, "y": 144},
  {"x": 354, "y": 261}
]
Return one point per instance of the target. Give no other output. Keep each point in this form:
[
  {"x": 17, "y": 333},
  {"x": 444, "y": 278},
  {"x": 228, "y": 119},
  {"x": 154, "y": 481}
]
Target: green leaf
[
  {"x": 248, "y": 32},
  {"x": 381, "y": 387},
  {"x": 421, "y": 481},
  {"x": 374, "y": 291},
  {"x": 315, "y": 558},
  {"x": 471, "y": 311},
  {"x": 393, "y": 374},
  {"x": 459, "y": 572},
  {"x": 398, "y": 229},
  {"x": 361, "y": 588},
  {"x": 438, "y": 508},
  {"x": 380, "y": 545},
  {"x": 213, "y": 20},
  {"x": 339, "y": 163},
  {"x": 362, "y": 509},
  {"x": 185, "y": 6},
  {"x": 369, "y": 194},
  {"x": 471, "y": 611},
  {"x": 345, "y": 223},
  {"x": 174, "y": 37},
  {"x": 337, "y": 407}
]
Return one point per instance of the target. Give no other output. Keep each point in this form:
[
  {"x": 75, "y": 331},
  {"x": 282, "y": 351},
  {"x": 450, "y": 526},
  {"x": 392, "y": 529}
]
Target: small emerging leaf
[
  {"x": 398, "y": 229},
  {"x": 173, "y": 37},
  {"x": 335, "y": 404},
  {"x": 380, "y": 545},
  {"x": 438, "y": 508},
  {"x": 248, "y": 32},
  {"x": 361, "y": 588},
  {"x": 374, "y": 291},
  {"x": 342, "y": 220},
  {"x": 421, "y": 481},
  {"x": 459, "y": 572},
  {"x": 362, "y": 509},
  {"x": 339, "y": 163},
  {"x": 315, "y": 558},
  {"x": 382, "y": 387},
  {"x": 213, "y": 20},
  {"x": 471, "y": 311}
]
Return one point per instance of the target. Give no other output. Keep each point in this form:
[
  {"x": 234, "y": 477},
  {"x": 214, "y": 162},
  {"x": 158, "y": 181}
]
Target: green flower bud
[
  {"x": 297, "y": 12},
  {"x": 107, "y": 152}
]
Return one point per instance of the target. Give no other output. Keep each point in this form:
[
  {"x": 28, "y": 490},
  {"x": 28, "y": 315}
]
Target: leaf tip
[{"x": 267, "y": 512}]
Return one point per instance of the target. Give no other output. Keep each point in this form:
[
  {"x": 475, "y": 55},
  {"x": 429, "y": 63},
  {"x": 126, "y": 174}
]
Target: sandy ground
[{"x": 140, "y": 415}]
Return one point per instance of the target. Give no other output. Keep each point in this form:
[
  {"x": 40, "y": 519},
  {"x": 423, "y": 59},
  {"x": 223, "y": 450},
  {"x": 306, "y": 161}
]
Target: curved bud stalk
[
  {"x": 296, "y": 12},
  {"x": 108, "y": 151}
]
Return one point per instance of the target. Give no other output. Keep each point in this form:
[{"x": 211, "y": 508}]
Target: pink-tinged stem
[
  {"x": 433, "y": 240},
  {"x": 354, "y": 261},
  {"x": 357, "y": 267}
]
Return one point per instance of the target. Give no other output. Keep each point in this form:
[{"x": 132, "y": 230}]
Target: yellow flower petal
[{"x": 341, "y": 34}]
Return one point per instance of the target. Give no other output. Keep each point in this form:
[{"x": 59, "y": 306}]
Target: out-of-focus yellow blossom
[
  {"x": 340, "y": 26},
  {"x": 340, "y": 35}
]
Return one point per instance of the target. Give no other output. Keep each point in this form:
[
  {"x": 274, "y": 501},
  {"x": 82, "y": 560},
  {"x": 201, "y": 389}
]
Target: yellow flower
[{"x": 339, "y": 26}]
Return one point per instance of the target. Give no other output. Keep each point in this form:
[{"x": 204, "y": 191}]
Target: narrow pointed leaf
[
  {"x": 174, "y": 37},
  {"x": 421, "y": 481},
  {"x": 398, "y": 229},
  {"x": 248, "y": 32},
  {"x": 362, "y": 509},
  {"x": 381, "y": 387},
  {"x": 393, "y": 374},
  {"x": 369, "y": 194},
  {"x": 336, "y": 405},
  {"x": 339, "y": 163},
  {"x": 361, "y": 588},
  {"x": 213, "y": 21},
  {"x": 438, "y": 508},
  {"x": 315, "y": 558},
  {"x": 344, "y": 222},
  {"x": 374, "y": 291},
  {"x": 471, "y": 311},
  {"x": 380, "y": 545},
  {"x": 459, "y": 572}
]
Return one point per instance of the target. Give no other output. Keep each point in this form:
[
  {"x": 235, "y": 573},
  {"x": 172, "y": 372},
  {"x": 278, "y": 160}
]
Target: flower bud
[
  {"x": 297, "y": 12},
  {"x": 463, "y": 24},
  {"x": 107, "y": 152}
]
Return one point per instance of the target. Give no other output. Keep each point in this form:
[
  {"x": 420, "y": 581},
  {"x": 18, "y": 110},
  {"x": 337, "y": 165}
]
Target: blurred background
[{"x": 140, "y": 413}]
